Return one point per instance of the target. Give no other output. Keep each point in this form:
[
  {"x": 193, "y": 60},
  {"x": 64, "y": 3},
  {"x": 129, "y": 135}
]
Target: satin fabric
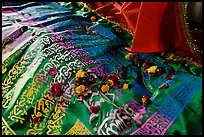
[
  {"x": 26, "y": 81},
  {"x": 156, "y": 26}
]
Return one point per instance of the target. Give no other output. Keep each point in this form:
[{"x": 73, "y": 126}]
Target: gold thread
[
  {"x": 8, "y": 126},
  {"x": 186, "y": 28}
]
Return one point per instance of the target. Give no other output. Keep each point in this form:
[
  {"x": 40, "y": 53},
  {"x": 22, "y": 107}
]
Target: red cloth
[
  {"x": 144, "y": 18},
  {"x": 156, "y": 26}
]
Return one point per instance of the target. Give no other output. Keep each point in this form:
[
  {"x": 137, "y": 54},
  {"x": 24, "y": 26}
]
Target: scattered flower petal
[
  {"x": 80, "y": 74},
  {"x": 95, "y": 32},
  {"x": 94, "y": 109},
  {"x": 80, "y": 89},
  {"x": 129, "y": 56},
  {"x": 152, "y": 69},
  {"x": 56, "y": 89},
  {"x": 93, "y": 18},
  {"x": 18, "y": 20},
  {"x": 80, "y": 98},
  {"x": 146, "y": 100},
  {"x": 164, "y": 86},
  {"x": 110, "y": 82},
  {"x": 53, "y": 71},
  {"x": 37, "y": 120},
  {"x": 125, "y": 86},
  {"x": 105, "y": 88},
  {"x": 69, "y": 31}
]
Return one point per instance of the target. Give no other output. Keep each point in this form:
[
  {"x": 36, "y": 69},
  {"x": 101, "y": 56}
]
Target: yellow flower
[
  {"x": 80, "y": 74},
  {"x": 125, "y": 86},
  {"x": 80, "y": 89},
  {"x": 171, "y": 56},
  {"x": 110, "y": 82},
  {"x": 152, "y": 69},
  {"x": 105, "y": 88},
  {"x": 129, "y": 56}
]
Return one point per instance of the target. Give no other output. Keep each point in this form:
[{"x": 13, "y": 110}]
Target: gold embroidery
[
  {"x": 78, "y": 129},
  {"x": 6, "y": 129},
  {"x": 12, "y": 75},
  {"x": 22, "y": 104},
  {"x": 54, "y": 123}
]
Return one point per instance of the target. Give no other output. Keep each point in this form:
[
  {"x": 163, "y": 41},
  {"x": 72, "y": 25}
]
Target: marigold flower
[
  {"x": 105, "y": 88},
  {"x": 80, "y": 89},
  {"x": 110, "y": 82},
  {"x": 129, "y": 56},
  {"x": 125, "y": 86},
  {"x": 152, "y": 69},
  {"x": 80, "y": 74},
  {"x": 171, "y": 56},
  {"x": 93, "y": 18}
]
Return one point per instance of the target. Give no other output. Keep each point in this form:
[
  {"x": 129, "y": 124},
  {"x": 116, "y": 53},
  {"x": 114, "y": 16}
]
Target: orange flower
[
  {"x": 80, "y": 74},
  {"x": 110, "y": 83},
  {"x": 125, "y": 86},
  {"x": 80, "y": 89},
  {"x": 93, "y": 18},
  {"x": 129, "y": 56},
  {"x": 105, "y": 88}
]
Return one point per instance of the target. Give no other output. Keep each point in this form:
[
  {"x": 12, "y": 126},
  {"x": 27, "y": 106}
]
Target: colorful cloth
[{"x": 46, "y": 46}]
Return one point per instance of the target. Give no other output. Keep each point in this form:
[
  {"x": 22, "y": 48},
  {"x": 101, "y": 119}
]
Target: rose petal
[
  {"x": 37, "y": 120},
  {"x": 94, "y": 109},
  {"x": 80, "y": 98},
  {"x": 53, "y": 71}
]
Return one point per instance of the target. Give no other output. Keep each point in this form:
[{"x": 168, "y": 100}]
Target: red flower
[
  {"x": 152, "y": 74},
  {"x": 114, "y": 79},
  {"x": 56, "y": 89},
  {"x": 53, "y": 71},
  {"x": 143, "y": 74},
  {"x": 171, "y": 73},
  {"x": 146, "y": 64},
  {"x": 81, "y": 98},
  {"x": 69, "y": 31},
  {"x": 37, "y": 120},
  {"x": 94, "y": 109},
  {"x": 167, "y": 77},
  {"x": 18, "y": 20},
  {"x": 164, "y": 86}
]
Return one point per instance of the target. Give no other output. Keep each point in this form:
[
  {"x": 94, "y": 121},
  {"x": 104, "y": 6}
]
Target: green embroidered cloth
[{"x": 45, "y": 44}]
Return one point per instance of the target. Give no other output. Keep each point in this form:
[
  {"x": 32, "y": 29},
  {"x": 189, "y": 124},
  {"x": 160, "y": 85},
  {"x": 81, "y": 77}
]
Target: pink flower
[
  {"x": 56, "y": 89},
  {"x": 95, "y": 32},
  {"x": 53, "y": 71}
]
